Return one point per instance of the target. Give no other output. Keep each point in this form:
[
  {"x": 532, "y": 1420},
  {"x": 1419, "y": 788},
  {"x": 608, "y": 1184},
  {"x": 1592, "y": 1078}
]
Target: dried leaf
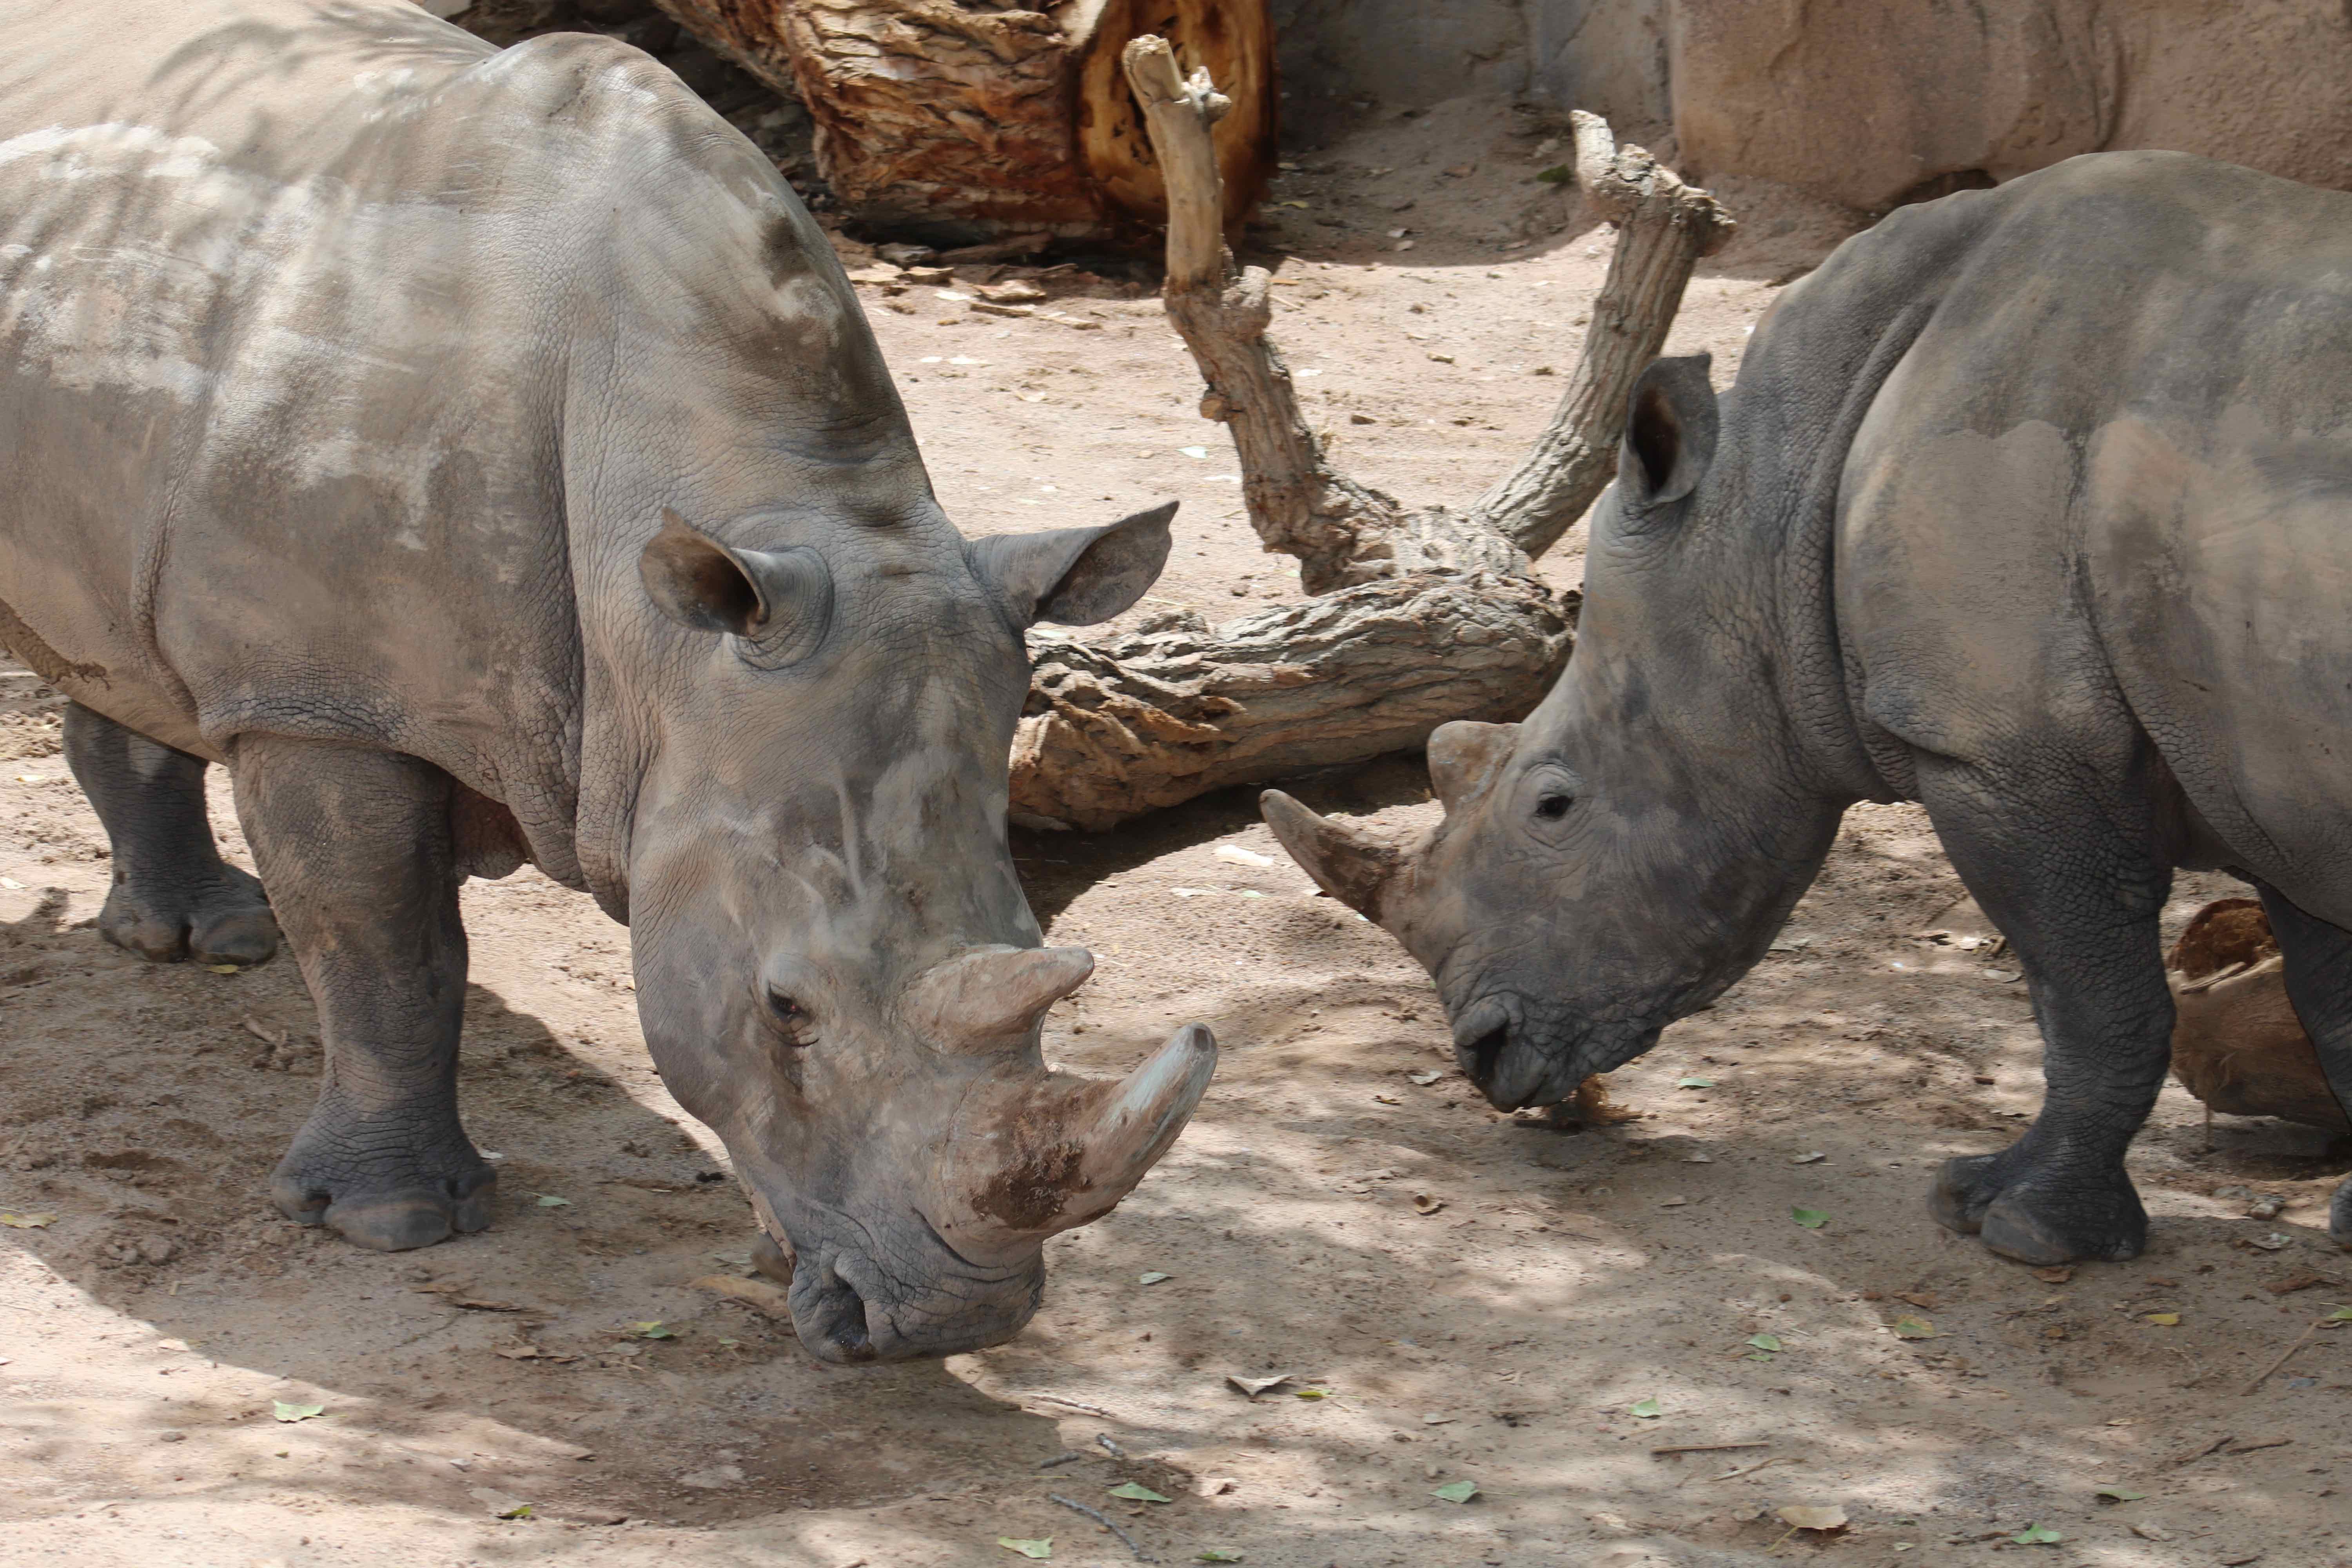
[
  {"x": 1253, "y": 1386},
  {"x": 1805, "y": 1516},
  {"x": 2059, "y": 1275},
  {"x": 1423, "y": 1203},
  {"x": 285, "y": 1412},
  {"x": 2163, "y": 1319},
  {"x": 1811, "y": 1219},
  {"x": 761, "y": 1294},
  {"x": 2037, "y": 1535},
  {"x": 1910, "y": 1328},
  {"x": 1456, "y": 1491},
  {"x": 550, "y": 1201},
  {"x": 1426, "y": 1078},
  {"x": 1814, "y": 1158},
  {"x": 1135, "y": 1491},
  {"x": 1027, "y": 1548},
  {"x": 1232, "y": 852},
  {"x": 502, "y": 1505},
  {"x": 224, "y": 968},
  {"x": 1647, "y": 1409},
  {"x": 1154, "y": 1278}
]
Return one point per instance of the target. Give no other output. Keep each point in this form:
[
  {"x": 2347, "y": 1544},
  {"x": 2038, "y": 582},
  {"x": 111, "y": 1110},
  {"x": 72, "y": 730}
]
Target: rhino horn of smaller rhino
[
  {"x": 1351, "y": 867},
  {"x": 993, "y": 998}
]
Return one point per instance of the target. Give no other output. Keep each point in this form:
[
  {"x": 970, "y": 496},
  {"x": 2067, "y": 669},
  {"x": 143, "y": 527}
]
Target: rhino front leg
[
  {"x": 2318, "y": 957},
  {"x": 173, "y": 897},
  {"x": 356, "y": 847},
  {"x": 2064, "y": 865}
]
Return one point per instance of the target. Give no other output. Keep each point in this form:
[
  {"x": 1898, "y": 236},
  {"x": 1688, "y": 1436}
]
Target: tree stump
[
  {"x": 960, "y": 120},
  {"x": 2237, "y": 1043}
]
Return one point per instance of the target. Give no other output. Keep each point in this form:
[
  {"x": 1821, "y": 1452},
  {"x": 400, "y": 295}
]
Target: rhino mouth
[
  {"x": 1520, "y": 1055},
  {"x": 847, "y": 1308}
]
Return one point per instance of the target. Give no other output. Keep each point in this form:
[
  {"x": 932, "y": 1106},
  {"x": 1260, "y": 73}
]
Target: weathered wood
[
  {"x": 1128, "y": 724},
  {"x": 1421, "y": 616},
  {"x": 2237, "y": 1043},
  {"x": 968, "y": 116}
]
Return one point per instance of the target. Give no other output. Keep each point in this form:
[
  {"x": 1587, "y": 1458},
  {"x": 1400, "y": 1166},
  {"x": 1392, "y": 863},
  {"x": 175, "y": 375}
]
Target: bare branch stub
[
  {"x": 1663, "y": 227},
  {"x": 1298, "y": 503}
]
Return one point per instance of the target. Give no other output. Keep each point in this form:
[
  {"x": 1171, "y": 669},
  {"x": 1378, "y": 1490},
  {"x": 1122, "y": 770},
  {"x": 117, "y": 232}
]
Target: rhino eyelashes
[{"x": 791, "y": 1020}]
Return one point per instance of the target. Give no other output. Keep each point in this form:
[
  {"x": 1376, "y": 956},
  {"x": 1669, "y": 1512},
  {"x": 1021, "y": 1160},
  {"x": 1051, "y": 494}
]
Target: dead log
[
  {"x": 1130, "y": 724},
  {"x": 1422, "y": 615},
  {"x": 967, "y": 118},
  {"x": 2237, "y": 1043}
]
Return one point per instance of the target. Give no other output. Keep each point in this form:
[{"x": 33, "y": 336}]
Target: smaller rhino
[{"x": 2031, "y": 505}]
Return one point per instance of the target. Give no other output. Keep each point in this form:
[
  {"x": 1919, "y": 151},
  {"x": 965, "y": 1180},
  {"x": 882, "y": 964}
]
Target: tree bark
[
  {"x": 961, "y": 119},
  {"x": 2237, "y": 1043}
]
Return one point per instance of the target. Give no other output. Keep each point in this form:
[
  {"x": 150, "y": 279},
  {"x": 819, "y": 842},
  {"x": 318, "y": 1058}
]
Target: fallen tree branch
[{"x": 1421, "y": 616}]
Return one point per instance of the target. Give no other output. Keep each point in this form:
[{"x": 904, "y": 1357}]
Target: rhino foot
[
  {"x": 386, "y": 1203},
  {"x": 2040, "y": 1215},
  {"x": 224, "y": 919}
]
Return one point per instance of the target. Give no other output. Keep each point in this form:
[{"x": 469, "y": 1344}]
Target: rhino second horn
[
  {"x": 1344, "y": 863},
  {"x": 993, "y": 998}
]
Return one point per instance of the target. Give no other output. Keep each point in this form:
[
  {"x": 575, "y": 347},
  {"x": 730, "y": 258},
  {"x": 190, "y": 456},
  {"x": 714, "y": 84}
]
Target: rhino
[
  {"x": 483, "y": 458},
  {"x": 2031, "y": 505}
]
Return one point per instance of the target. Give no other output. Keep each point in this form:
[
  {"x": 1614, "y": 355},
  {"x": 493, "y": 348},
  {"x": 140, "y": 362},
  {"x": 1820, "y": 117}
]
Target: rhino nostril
[{"x": 1479, "y": 1057}]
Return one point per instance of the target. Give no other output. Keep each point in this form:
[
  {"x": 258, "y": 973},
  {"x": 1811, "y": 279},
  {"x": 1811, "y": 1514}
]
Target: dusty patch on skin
[
  {"x": 39, "y": 656},
  {"x": 1030, "y": 1192}
]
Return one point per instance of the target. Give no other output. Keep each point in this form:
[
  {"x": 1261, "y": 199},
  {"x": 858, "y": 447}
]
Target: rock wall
[{"x": 1864, "y": 102}]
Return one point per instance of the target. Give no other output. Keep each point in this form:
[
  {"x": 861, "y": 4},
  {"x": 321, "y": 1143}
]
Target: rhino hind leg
[
  {"x": 2318, "y": 957},
  {"x": 358, "y": 849},
  {"x": 173, "y": 897},
  {"x": 2061, "y": 856}
]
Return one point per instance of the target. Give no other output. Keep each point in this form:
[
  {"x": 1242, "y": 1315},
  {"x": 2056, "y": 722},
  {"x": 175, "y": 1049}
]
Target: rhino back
[
  {"x": 305, "y": 308},
  {"x": 2115, "y": 471}
]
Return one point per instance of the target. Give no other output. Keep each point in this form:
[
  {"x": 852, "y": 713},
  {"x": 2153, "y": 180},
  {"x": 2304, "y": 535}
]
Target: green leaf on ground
[
  {"x": 26, "y": 1221},
  {"x": 2120, "y": 1494},
  {"x": 2341, "y": 1315},
  {"x": 1154, "y": 1278},
  {"x": 1314, "y": 1392},
  {"x": 653, "y": 1331},
  {"x": 1811, "y": 1219},
  {"x": 1647, "y": 1409},
  {"x": 1213, "y": 1555},
  {"x": 2037, "y": 1535},
  {"x": 1557, "y": 174},
  {"x": 2163, "y": 1319},
  {"x": 1027, "y": 1548},
  {"x": 1135, "y": 1491},
  {"x": 1694, "y": 1083},
  {"x": 224, "y": 968},
  {"x": 1910, "y": 1328},
  {"x": 1456, "y": 1491},
  {"x": 550, "y": 1201},
  {"x": 285, "y": 1412},
  {"x": 1764, "y": 1342}
]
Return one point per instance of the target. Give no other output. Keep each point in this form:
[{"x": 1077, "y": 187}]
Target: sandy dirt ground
[{"x": 1458, "y": 1296}]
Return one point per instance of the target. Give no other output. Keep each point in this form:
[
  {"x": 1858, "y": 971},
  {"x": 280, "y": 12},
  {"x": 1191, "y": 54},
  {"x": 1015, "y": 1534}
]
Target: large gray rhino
[
  {"x": 483, "y": 456},
  {"x": 2034, "y": 505}
]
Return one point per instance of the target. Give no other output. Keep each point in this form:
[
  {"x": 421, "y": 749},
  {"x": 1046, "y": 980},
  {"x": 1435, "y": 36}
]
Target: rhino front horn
[
  {"x": 1345, "y": 864},
  {"x": 1029, "y": 1159}
]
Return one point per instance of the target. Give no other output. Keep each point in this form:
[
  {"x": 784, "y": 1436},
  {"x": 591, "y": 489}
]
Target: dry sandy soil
[{"x": 1572, "y": 1303}]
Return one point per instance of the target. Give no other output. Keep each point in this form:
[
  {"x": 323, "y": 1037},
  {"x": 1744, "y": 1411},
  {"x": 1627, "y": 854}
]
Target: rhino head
[
  {"x": 836, "y": 970},
  {"x": 1620, "y": 857}
]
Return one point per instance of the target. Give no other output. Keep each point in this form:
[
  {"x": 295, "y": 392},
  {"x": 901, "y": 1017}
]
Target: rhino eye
[
  {"x": 790, "y": 1017},
  {"x": 1553, "y": 807}
]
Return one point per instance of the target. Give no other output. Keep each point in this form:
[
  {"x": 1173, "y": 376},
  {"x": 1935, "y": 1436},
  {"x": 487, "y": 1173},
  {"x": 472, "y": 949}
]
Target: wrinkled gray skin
[
  {"x": 2034, "y": 505},
  {"x": 483, "y": 456}
]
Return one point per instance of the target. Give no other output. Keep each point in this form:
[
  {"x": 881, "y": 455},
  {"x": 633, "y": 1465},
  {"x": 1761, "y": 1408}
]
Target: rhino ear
[
  {"x": 1077, "y": 576},
  {"x": 778, "y": 601},
  {"x": 1670, "y": 429}
]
